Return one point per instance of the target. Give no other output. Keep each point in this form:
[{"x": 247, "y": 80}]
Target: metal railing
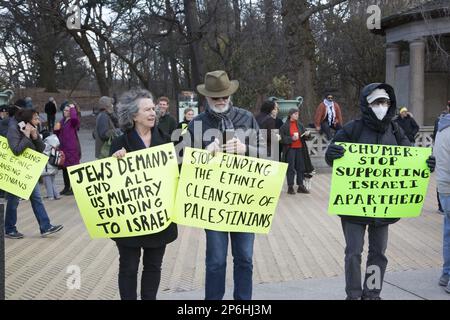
[{"x": 319, "y": 143}]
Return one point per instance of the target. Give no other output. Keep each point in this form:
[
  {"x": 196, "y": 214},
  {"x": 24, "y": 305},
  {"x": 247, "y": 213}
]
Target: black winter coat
[
  {"x": 374, "y": 131},
  {"x": 268, "y": 123},
  {"x": 50, "y": 108},
  {"x": 286, "y": 140},
  {"x": 131, "y": 142},
  {"x": 243, "y": 122},
  {"x": 409, "y": 125}
]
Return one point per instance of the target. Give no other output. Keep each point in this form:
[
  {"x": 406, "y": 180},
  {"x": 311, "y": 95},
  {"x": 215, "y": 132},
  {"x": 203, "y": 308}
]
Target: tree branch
[{"x": 308, "y": 13}]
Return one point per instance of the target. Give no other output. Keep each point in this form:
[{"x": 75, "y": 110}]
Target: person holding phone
[
  {"x": 295, "y": 151},
  {"x": 66, "y": 130},
  {"x": 23, "y": 134},
  {"x": 242, "y": 137}
]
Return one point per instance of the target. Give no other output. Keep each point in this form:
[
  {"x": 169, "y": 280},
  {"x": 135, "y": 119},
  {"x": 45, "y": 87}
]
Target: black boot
[
  {"x": 302, "y": 189},
  {"x": 291, "y": 190}
]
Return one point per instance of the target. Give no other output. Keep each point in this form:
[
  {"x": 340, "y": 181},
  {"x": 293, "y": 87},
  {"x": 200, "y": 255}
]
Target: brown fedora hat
[{"x": 217, "y": 84}]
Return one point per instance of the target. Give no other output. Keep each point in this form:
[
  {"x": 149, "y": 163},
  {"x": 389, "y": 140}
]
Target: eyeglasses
[
  {"x": 223, "y": 98},
  {"x": 381, "y": 101}
]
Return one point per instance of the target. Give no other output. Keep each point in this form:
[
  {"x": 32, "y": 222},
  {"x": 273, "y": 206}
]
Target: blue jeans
[
  {"x": 445, "y": 202},
  {"x": 38, "y": 209},
  {"x": 216, "y": 264}
]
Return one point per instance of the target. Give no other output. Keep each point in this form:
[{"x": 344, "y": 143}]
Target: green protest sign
[
  {"x": 379, "y": 181},
  {"x": 131, "y": 196},
  {"x": 228, "y": 192},
  {"x": 19, "y": 174}
]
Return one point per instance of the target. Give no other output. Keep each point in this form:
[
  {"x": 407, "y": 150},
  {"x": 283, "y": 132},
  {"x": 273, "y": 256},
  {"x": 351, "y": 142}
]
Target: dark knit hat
[{"x": 21, "y": 103}]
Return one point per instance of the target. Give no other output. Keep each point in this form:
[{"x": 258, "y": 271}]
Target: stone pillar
[
  {"x": 392, "y": 60},
  {"x": 417, "y": 79}
]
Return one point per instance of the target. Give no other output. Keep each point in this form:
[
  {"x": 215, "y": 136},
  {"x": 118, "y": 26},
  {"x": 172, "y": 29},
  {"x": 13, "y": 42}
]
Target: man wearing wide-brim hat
[{"x": 228, "y": 127}]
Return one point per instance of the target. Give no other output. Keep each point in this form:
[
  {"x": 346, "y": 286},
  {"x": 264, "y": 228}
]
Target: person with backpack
[
  {"x": 378, "y": 105},
  {"x": 105, "y": 128},
  {"x": 52, "y": 166}
]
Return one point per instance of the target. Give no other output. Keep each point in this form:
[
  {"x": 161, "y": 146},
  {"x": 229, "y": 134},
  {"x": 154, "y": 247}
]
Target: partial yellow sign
[
  {"x": 228, "y": 192},
  {"x": 19, "y": 174},
  {"x": 132, "y": 196}
]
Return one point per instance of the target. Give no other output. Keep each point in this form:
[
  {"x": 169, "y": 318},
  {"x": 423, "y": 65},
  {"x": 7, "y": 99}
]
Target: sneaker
[
  {"x": 444, "y": 279},
  {"x": 14, "y": 235},
  {"x": 51, "y": 230},
  {"x": 291, "y": 190},
  {"x": 302, "y": 189}
]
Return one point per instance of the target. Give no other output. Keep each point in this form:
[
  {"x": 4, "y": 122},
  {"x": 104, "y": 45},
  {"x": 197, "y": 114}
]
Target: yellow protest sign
[
  {"x": 228, "y": 192},
  {"x": 19, "y": 174},
  {"x": 379, "y": 181},
  {"x": 126, "y": 197}
]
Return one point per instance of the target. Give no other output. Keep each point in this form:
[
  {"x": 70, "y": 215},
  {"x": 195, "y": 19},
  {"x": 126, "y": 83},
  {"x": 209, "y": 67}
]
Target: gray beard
[{"x": 216, "y": 110}]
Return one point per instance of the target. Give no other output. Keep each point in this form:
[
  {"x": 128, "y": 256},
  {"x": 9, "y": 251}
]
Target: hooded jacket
[
  {"x": 409, "y": 125},
  {"x": 374, "y": 131},
  {"x": 18, "y": 142},
  {"x": 441, "y": 151}
]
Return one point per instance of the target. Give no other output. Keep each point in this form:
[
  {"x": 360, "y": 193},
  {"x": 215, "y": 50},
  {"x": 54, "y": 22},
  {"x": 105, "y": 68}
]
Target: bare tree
[{"x": 301, "y": 49}]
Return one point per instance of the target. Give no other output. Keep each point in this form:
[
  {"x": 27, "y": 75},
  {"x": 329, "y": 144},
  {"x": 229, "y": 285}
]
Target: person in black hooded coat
[{"x": 378, "y": 105}]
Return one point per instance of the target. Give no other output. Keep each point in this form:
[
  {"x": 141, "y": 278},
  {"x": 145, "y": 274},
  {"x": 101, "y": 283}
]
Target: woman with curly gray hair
[{"x": 137, "y": 119}]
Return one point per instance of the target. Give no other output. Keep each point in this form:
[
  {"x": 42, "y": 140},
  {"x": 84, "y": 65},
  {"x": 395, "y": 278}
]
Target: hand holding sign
[
  {"x": 120, "y": 153},
  {"x": 234, "y": 146},
  {"x": 334, "y": 152},
  {"x": 130, "y": 195},
  {"x": 228, "y": 192},
  {"x": 214, "y": 146},
  {"x": 431, "y": 162}
]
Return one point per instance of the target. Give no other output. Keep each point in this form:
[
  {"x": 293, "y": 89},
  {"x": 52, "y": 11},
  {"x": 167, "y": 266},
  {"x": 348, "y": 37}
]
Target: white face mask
[{"x": 380, "y": 110}]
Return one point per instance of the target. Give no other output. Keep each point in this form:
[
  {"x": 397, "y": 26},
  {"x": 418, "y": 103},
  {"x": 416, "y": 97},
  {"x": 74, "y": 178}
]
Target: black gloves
[
  {"x": 334, "y": 152},
  {"x": 431, "y": 162}
]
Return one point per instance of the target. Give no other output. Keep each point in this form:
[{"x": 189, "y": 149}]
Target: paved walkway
[{"x": 301, "y": 258}]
